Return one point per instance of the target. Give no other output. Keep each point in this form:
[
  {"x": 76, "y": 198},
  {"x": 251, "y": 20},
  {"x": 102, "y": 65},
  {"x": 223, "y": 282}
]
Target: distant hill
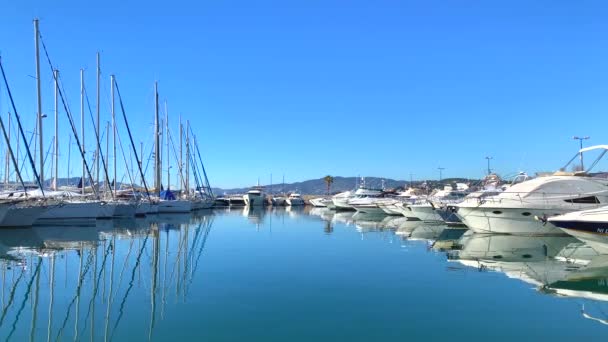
[{"x": 318, "y": 186}]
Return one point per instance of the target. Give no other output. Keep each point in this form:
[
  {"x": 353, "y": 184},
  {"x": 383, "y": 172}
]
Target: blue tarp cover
[{"x": 167, "y": 195}]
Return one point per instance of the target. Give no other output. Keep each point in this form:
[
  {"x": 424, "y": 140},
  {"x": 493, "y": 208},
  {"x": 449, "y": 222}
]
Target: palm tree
[{"x": 328, "y": 180}]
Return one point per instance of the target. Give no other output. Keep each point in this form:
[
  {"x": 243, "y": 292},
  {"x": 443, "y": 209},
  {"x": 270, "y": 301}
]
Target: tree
[{"x": 328, "y": 181}]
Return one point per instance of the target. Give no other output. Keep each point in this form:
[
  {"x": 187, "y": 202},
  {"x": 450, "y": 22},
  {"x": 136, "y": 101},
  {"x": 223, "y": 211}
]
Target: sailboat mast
[
  {"x": 7, "y": 165},
  {"x": 56, "y": 148},
  {"x": 97, "y": 123},
  {"x": 181, "y": 174},
  {"x": 39, "y": 99},
  {"x": 167, "y": 140},
  {"x": 113, "y": 132},
  {"x": 188, "y": 156},
  {"x": 82, "y": 126},
  {"x": 157, "y": 160}
]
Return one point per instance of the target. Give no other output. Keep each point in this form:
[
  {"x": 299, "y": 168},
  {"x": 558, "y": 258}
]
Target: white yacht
[
  {"x": 279, "y": 201},
  {"x": 255, "y": 197},
  {"x": 170, "y": 204},
  {"x": 524, "y": 207},
  {"x": 320, "y": 202},
  {"x": 295, "y": 199},
  {"x": 344, "y": 200},
  {"x": 433, "y": 208},
  {"x": 589, "y": 226}
]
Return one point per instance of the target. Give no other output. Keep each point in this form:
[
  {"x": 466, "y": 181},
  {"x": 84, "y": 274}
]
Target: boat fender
[{"x": 542, "y": 219}]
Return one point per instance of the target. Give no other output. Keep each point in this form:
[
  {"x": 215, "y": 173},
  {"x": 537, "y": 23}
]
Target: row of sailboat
[{"x": 26, "y": 204}]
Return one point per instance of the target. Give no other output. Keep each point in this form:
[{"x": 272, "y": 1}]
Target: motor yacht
[
  {"x": 525, "y": 207},
  {"x": 255, "y": 197},
  {"x": 295, "y": 199}
]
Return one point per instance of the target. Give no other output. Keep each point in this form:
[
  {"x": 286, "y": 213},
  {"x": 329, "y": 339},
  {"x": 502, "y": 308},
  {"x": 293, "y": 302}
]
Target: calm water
[{"x": 302, "y": 275}]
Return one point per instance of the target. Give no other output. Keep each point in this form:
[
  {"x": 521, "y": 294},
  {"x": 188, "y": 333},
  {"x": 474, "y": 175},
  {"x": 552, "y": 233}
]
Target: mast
[
  {"x": 39, "y": 99},
  {"x": 157, "y": 160},
  {"x": 167, "y": 140},
  {"x": 108, "y": 185},
  {"x": 82, "y": 125},
  {"x": 181, "y": 175},
  {"x": 97, "y": 125},
  {"x": 113, "y": 131},
  {"x": 56, "y": 149},
  {"x": 7, "y": 161},
  {"x": 188, "y": 156}
]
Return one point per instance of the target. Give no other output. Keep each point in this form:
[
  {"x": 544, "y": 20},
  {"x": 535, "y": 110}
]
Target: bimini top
[{"x": 167, "y": 195}]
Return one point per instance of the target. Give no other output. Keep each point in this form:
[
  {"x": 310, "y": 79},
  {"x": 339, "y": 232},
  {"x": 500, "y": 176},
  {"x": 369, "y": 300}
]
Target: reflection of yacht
[
  {"x": 427, "y": 232},
  {"x": 406, "y": 227},
  {"x": 255, "y": 197},
  {"x": 367, "y": 222},
  {"x": 344, "y": 217},
  {"x": 295, "y": 199},
  {"x": 590, "y": 226},
  {"x": 514, "y": 211},
  {"x": 586, "y": 282},
  {"x": 254, "y": 214}
]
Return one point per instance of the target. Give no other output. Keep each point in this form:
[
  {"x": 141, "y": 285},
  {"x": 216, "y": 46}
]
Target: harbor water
[{"x": 277, "y": 274}]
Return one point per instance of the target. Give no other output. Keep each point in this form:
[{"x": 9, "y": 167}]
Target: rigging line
[
  {"x": 98, "y": 140},
  {"x": 10, "y": 150},
  {"x": 200, "y": 251},
  {"x": 25, "y": 297},
  {"x": 170, "y": 137},
  {"x": 124, "y": 300},
  {"x": 11, "y": 298},
  {"x": 96, "y": 287},
  {"x": 70, "y": 118},
  {"x": 201, "y": 161},
  {"x": 196, "y": 174},
  {"x": 78, "y": 288},
  {"x": 124, "y": 116},
  {"x": 124, "y": 157},
  {"x": 122, "y": 271},
  {"x": 32, "y": 164}
]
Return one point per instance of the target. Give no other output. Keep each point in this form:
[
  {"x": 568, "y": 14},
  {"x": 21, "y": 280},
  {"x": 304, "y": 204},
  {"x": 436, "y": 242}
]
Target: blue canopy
[{"x": 167, "y": 195}]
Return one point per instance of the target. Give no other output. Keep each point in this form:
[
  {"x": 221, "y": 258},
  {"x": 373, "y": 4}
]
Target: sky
[{"x": 306, "y": 88}]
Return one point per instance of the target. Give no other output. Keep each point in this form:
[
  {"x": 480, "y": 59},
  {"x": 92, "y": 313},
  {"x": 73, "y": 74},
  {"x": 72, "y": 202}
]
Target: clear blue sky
[{"x": 309, "y": 88}]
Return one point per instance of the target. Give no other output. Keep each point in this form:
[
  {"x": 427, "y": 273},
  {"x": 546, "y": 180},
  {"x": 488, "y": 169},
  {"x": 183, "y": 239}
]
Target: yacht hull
[
  {"x": 508, "y": 220},
  {"x": 177, "y": 206},
  {"x": 72, "y": 211},
  {"x": 425, "y": 212},
  {"x": 254, "y": 200},
  {"x": 22, "y": 216},
  {"x": 295, "y": 202}
]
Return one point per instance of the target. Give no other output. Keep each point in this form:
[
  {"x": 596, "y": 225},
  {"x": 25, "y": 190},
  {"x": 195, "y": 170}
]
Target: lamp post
[
  {"x": 440, "y": 172},
  {"x": 489, "y": 170},
  {"x": 580, "y": 139}
]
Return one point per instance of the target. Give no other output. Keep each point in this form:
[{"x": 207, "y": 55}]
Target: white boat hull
[
  {"x": 72, "y": 211},
  {"x": 508, "y": 220},
  {"x": 253, "y": 200},
  {"x": 295, "y": 202},
  {"x": 176, "y": 206},
  {"x": 22, "y": 215},
  {"x": 425, "y": 212}
]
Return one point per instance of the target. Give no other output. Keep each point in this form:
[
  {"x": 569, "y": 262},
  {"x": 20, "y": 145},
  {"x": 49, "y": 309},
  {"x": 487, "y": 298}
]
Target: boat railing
[{"x": 576, "y": 199}]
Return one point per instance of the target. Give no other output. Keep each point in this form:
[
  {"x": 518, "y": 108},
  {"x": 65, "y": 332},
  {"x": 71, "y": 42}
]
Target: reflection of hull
[
  {"x": 507, "y": 220},
  {"x": 344, "y": 217},
  {"x": 319, "y": 202},
  {"x": 512, "y": 247},
  {"x": 368, "y": 209},
  {"x": 427, "y": 232}
]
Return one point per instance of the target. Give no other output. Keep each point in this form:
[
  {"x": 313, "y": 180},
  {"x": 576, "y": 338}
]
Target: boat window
[
  {"x": 586, "y": 200},
  {"x": 526, "y": 213},
  {"x": 497, "y": 212}
]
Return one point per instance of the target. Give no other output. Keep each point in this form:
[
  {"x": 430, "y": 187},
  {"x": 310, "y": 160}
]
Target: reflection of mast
[
  {"x": 163, "y": 301},
  {"x": 51, "y": 297},
  {"x": 154, "y": 278},
  {"x": 25, "y": 298},
  {"x": 35, "y": 309},
  {"x": 78, "y": 293},
  {"x": 113, "y": 246}
]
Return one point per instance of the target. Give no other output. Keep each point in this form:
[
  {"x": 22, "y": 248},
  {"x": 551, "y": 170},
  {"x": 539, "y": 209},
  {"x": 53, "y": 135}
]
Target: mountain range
[{"x": 340, "y": 184}]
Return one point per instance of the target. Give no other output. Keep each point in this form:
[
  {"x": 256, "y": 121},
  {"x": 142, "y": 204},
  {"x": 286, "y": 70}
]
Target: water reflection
[
  {"x": 80, "y": 282},
  {"x": 124, "y": 279}
]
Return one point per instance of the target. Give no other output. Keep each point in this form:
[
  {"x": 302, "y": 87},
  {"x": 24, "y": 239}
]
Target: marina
[{"x": 131, "y": 145}]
